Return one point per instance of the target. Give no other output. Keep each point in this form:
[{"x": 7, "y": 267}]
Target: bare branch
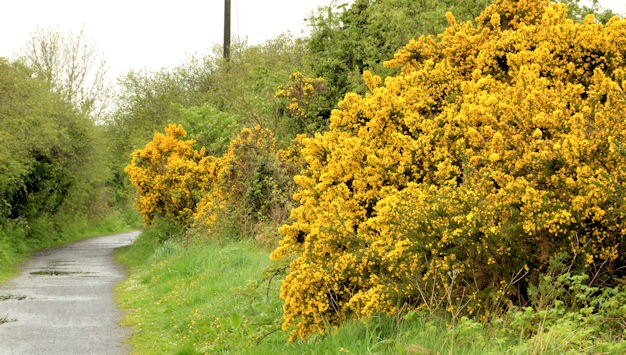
[{"x": 71, "y": 65}]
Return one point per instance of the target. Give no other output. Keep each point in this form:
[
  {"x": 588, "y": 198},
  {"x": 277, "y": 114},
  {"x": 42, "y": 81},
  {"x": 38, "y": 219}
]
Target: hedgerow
[{"x": 498, "y": 146}]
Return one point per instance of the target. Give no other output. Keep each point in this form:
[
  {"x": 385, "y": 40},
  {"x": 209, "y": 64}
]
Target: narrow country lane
[{"x": 63, "y": 301}]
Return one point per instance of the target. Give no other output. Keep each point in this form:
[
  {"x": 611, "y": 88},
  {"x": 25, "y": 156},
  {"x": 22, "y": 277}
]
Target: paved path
[{"x": 63, "y": 302}]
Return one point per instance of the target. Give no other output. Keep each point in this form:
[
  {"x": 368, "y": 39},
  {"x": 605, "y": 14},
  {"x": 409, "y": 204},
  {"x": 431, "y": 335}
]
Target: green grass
[
  {"x": 198, "y": 297},
  {"x": 210, "y": 296},
  {"x": 19, "y": 238}
]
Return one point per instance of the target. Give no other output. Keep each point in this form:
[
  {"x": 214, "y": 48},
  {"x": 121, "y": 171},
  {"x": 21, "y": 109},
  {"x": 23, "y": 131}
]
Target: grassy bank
[
  {"x": 198, "y": 296},
  {"x": 18, "y": 238}
]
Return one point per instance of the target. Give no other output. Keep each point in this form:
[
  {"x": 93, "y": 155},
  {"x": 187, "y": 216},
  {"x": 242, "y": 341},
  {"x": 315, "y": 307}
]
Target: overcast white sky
[{"x": 151, "y": 34}]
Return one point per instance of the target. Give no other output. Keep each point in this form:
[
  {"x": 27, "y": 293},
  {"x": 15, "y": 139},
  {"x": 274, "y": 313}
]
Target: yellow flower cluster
[
  {"x": 176, "y": 181},
  {"x": 170, "y": 175},
  {"x": 498, "y": 146},
  {"x": 292, "y": 157},
  {"x": 300, "y": 93}
]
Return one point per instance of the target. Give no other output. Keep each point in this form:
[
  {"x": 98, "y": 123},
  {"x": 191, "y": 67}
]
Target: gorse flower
[
  {"x": 176, "y": 181},
  {"x": 170, "y": 175},
  {"x": 498, "y": 146}
]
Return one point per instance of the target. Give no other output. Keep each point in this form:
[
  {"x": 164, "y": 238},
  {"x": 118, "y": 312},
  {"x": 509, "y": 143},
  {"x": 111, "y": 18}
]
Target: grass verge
[{"x": 209, "y": 296}]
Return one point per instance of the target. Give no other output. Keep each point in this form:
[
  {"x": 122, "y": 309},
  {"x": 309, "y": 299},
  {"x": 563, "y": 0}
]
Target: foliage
[
  {"x": 497, "y": 146},
  {"x": 26, "y": 158},
  {"x": 566, "y": 314},
  {"x": 49, "y": 153},
  {"x": 210, "y": 128},
  {"x": 170, "y": 176}
]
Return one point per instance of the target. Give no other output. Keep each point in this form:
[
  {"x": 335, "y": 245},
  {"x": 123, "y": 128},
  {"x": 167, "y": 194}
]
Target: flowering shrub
[
  {"x": 299, "y": 96},
  {"x": 248, "y": 181},
  {"x": 170, "y": 175},
  {"x": 498, "y": 146}
]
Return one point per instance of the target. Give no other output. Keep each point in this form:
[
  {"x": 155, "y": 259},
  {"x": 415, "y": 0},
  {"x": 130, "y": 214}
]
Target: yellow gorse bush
[
  {"x": 498, "y": 146},
  {"x": 170, "y": 175},
  {"x": 176, "y": 181},
  {"x": 232, "y": 173}
]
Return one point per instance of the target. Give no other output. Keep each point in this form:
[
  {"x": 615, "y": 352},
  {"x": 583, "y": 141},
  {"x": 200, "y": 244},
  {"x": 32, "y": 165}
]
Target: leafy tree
[
  {"x": 48, "y": 156},
  {"x": 210, "y": 128}
]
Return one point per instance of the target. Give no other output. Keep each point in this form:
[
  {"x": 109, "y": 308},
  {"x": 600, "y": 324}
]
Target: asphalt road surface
[{"x": 63, "y": 301}]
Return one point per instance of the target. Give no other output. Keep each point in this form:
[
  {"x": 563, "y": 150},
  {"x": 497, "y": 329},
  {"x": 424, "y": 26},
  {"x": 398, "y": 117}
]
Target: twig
[{"x": 266, "y": 335}]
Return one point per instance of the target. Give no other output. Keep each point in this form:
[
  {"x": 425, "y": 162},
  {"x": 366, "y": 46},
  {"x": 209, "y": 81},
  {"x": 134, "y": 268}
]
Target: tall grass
[{"x": 197, "y": 296}]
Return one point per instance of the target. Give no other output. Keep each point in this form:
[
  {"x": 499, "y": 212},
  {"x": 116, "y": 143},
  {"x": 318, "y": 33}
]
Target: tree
[
  {"x": 49, "y": 154},
  {"x": 71, "y": 65}
]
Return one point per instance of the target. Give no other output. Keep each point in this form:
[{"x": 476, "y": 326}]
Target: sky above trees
[{"x": 151, "y": 34}]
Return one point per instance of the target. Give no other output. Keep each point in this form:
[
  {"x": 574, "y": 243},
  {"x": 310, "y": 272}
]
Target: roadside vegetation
[
  {"x": 463, "y": 195},
  {"x": 54, "y": 165},
  {"x": 414, "y": 177}
]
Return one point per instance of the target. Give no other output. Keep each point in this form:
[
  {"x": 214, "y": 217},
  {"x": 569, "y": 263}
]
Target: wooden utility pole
[{"x": 227, "y": 29}]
